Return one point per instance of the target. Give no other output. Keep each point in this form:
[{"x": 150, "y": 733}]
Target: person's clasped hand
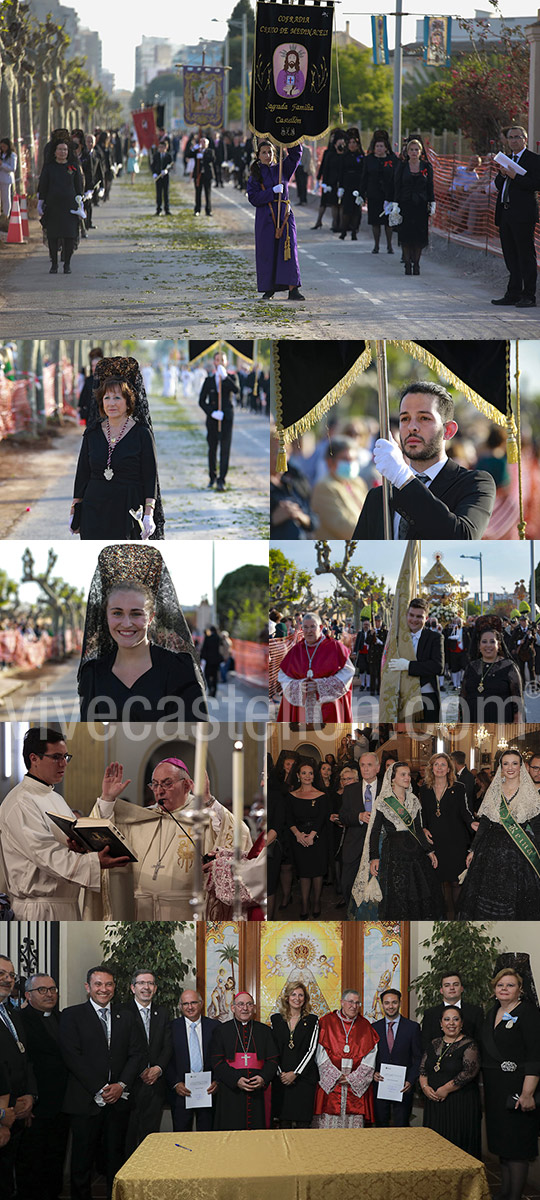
[
  {"x": 149, "y": 526},
  {"x": 220, "y": 371},
  {"x": 278, "y": 187},
  {"x": 398, "y": 664},
  {"x": 389, "y": 460}
]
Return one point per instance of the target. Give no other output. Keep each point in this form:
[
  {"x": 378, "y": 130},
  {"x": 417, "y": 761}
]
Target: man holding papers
[
  {"x": 399, "y": 1052},
  {"x": 516, "y": 214},
  {"x": 188, "y": 1072}
]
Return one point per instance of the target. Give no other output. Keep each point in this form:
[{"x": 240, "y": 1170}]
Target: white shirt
[
  {"x": 432, "y": 472},
  {"x": 43, "y": 877}
]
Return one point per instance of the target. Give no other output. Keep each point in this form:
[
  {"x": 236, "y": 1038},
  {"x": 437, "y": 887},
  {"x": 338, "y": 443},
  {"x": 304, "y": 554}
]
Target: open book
[{"x": 94, "y": 833}]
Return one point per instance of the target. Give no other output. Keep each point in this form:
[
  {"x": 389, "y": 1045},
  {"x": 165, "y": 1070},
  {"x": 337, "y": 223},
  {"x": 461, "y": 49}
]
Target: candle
[
  {"x": 238, "y": 788},
  {"x": 201, "y": 747}
]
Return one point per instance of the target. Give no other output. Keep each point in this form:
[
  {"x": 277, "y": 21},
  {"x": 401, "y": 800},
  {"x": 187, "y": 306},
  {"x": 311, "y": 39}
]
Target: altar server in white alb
[{"x": 43, "y": 876}]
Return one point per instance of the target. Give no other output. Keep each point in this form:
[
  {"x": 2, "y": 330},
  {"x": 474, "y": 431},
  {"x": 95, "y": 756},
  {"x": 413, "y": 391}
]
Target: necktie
[
  {"x": 8, "y": 1022},
  {"x": 104, "y": 1022},
  {"x": 146, "y": 1018},
  {"x": 390, "y": 1035},
  {"x": 403, "y": 530},
  {"x": 368, "y": 799},
  {"x": 195, "y": 1055}
]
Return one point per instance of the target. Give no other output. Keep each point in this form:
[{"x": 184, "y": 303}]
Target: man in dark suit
[
  {"x": 428, "y": 661},
  {"x": 377, "y": 643},
  {"x": 400, "y": 1043},
  {"x": 431, "y": 496},
  {"x": 533, "y": 767},
  {"x": 16, "y": 1071},
  {"x": 191, "y": 1037},
  {"x": 161, "y": 164},
  {"x": 205, "y": 164},
  {"x": 40, "y": 1166},
  {"x": 516, "y": 214},
  {"x": 354, "y": 814},
  {"x": 104, "y": 1052},
  {"x": 361, "y": 650},
  {"x": 148, "y": 1092},
  {"x": 218, "y": 388},
  {"x": 452, "y": 993},
  {"x": 465, "y": 777}
]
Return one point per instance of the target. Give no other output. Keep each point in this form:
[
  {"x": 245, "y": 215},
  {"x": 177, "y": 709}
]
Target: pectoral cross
[
  {"x": 157, "y": 867},
  {"x": 246, "y": 1059}
]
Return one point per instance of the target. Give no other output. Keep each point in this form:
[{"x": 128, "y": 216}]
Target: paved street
[
  {"x": 191, "y": 510},
  {"x": 138, "y": 275}
]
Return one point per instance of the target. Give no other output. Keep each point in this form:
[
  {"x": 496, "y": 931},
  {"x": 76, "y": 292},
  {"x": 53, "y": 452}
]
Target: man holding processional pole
[{"x": 290, "y": 101}]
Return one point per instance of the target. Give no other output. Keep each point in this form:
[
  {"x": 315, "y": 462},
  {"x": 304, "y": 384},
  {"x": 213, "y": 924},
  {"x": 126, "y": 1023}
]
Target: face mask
[{"x": 347, "y": 470}]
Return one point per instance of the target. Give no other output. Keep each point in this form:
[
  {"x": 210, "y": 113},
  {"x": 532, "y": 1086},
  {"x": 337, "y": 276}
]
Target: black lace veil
[
  {"x": 143, "y": 564},
  {"x": 127, "y": 370}
]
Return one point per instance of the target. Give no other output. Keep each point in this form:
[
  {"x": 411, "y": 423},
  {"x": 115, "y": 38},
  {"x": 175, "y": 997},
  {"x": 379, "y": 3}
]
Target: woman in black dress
[
  {"x": 138, "y": 661},
  {"x": 447, "y": 817},
  {"x": 378, "y": 186},
  {"x": 296, "y": 1033},
  {"x": 116, "y": 489},
  {"x": 413, "y": 192},
  {"x": 503, "y": 876},
  {"x": 349, "y": 186},
  {"x": 309, "y": 826},
  {"x": 491, "y": 690},
  {"x": 404, "y": 879},
  {"x": 510, "y": 1046},
  {"x": 449, "y": 1080},
  {"x": 60, "y": 182},
  {"x": 279, "y": 786}
]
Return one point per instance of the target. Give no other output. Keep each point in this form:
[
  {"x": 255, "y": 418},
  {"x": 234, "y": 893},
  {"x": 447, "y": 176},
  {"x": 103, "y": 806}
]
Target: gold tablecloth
[{"x": 301, "y": 1164}]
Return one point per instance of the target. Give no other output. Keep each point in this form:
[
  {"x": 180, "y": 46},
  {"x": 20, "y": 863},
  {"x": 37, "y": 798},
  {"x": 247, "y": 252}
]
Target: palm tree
[{"x": 228, "y": 953}]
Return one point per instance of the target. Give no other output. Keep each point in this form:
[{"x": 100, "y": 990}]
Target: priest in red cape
[
  {"x": 346, "y": 1060},
  {"x": 316, "y": 678}
]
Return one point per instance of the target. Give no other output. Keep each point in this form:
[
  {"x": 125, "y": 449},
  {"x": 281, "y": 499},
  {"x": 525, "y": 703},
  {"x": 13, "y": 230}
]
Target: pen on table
[{"x": 179, "y": 1147}]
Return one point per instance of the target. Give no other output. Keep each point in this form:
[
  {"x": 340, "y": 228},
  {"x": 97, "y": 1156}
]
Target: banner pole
[
  {"x": 384, "y": 427},
  {"x": 280, "y": 180}
]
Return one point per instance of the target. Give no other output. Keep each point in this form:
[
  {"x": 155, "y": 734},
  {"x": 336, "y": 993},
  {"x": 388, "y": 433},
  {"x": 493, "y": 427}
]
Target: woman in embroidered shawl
[
  {"x": 402, "y": 877},
  {"x": 278, "y": 269},
  {"x": 503, "y": 876}
]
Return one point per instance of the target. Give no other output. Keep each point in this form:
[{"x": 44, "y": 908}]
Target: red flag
[{"x": 145, "y": 128}]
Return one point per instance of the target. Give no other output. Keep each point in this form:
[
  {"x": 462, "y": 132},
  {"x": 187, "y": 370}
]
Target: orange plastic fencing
[
  {"x": 15, "y": 411},
  {"x": 251, "y": 661}
]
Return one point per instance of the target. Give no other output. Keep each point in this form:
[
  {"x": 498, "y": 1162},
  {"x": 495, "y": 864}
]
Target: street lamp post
[{"x": 478, "y": 558}]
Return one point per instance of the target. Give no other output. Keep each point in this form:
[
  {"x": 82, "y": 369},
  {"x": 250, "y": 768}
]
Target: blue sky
[{"x": 504, "y": 563}]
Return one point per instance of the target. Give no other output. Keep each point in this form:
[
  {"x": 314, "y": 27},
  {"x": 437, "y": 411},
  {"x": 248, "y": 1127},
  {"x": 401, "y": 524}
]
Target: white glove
[
  {"x": 149, "y": 526},
  {"x": 398, "y": 664},
  {"x": 79, "y": 211},
  {"x": 389, "y": 460},
  {"x": 101, "y": 193},
  {"x": 217, "y": 415},
  {"x": 278, "y": 187},
  {"x": 221, "y": 372},
  {"x": 325, "y": 187},
  {"x": 340, "y": 193},
  {"x": 40, "y": 207},
  {"x": 432, "y": 208},
  {"x": 154, "y": 177},
  {"x": 359, "y": 199},
  {"x": 88, "y": 195},
  {"x": 199, "y": 154}
]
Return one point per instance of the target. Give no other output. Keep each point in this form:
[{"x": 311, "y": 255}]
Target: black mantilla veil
[
  {"x": 127, "y": 370},
  {"x": 139, "y": 564},
  {"x": 485, "y": 624}
]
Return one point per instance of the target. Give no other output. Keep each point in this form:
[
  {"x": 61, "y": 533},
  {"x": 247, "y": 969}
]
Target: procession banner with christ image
[
  {"x": 292, "y": 70},
  {"x": 203, "y": 96},
  {"x": 437, "y": 41}
]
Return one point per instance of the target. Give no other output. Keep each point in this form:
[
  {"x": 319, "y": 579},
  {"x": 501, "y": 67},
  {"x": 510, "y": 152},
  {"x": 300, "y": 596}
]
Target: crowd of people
[
  {"x": 76, "y": 176},
  {"x": 105, "y": 1072},
  {"x": 445, "y": 482},
  {"x": 396, "y": 842}
]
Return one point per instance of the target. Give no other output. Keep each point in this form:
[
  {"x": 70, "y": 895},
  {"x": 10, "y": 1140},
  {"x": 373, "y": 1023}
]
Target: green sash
[
  {"x": 404, "y": 815},
  {"x": 519, "y": 837}
]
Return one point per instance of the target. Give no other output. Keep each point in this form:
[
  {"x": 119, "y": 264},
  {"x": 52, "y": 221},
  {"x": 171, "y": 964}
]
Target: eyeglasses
[
  {"x": 58, "y": 757},
  {"x": 162, "y": 783},
  {"x": 8, "y": 975},
  {"x": 43, "y": 991}
]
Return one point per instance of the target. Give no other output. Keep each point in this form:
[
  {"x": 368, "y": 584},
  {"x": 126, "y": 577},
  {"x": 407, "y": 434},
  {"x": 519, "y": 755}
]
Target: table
[{"x": 301, "y": 1164}]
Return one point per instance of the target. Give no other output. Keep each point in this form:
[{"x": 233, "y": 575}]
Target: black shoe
[
  {"x": 267, "y": 295},
  {"x": 342, "y": 237},
  {"x": 67, "y": 270},
  {"x": 304, "y": 916},
  {"x": 354, "y": 237},
  {"x": 211, "y": 483},
  {"x": 53, "y": 270},
  {"x": 295, "y": 294},
  {"x": 220, "y": 485},
  {"x": 506, "y": 301},
  {"x": 375, "y": 250},
  {"x": 526, "y": 302},
  {"x": 168, "y": 212},
  {"x": 416, "y": 269},
  {"x": 408, "y": 269},
  {"x": 389, "y": 250},
  {"x": 92, "y": 226},
  {"x": 318, "y": 226},
  {"x": 209, "y": 214},
  {"x": 157, "y": 212},
  {"x": 316, "y": 912},
  {"x": 286, "y": 903}
]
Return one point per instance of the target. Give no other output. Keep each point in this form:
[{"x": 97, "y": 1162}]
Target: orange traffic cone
[
  {"x": 24, "y": 216},
  {"x": 15, "y": 231}
]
